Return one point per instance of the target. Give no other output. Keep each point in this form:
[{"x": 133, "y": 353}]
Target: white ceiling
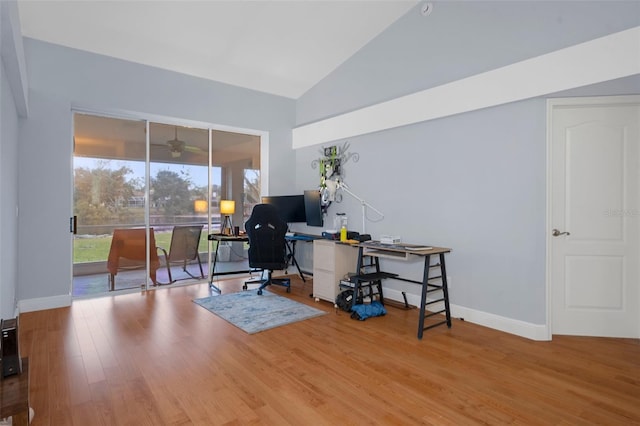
[{"x": 278, "y": 47}]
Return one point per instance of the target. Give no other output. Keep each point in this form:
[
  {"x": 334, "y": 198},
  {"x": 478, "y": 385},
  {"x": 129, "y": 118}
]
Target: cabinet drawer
[
  {"x": 324, "y": 255},
  {"x": 325, "y": 285}
]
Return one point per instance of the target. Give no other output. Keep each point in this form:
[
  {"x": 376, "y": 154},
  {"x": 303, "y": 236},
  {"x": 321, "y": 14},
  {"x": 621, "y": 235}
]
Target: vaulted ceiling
[{"x": 277, "y": 47}]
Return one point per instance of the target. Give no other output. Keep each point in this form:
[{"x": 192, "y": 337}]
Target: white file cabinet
[{"x": 331, "y": 262}]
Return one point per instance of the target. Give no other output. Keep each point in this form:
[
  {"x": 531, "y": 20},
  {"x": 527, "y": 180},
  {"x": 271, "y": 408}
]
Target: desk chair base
[{"x": 267, "y": 281}]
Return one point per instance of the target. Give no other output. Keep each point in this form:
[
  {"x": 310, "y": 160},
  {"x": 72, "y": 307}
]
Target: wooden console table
[{"x": 14, "y": 396}]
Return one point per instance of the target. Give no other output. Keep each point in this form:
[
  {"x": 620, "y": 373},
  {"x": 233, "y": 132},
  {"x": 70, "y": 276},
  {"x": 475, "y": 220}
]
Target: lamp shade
[
  {"x": 227, "y": 207},
  {"x": 200, "y": 206}
]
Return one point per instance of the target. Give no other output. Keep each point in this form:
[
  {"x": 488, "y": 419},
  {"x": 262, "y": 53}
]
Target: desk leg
[
  {"x": 292, "y": 252},
  {"x": 423, "y": 299},
  {"x": 213, "y": 270},
  {"x": 445, "y": 290}
]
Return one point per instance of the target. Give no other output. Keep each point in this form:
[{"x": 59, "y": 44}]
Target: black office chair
[{"x": 267, "y": 245}]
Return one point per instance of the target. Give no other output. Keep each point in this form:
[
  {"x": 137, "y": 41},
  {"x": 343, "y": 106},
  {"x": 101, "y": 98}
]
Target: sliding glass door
[
  {"x": 146, "y": 196},
  {"x": 108, "y": 199},
  {"x": 178, "y": 200}
]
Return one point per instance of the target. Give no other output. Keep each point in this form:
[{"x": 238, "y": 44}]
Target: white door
[{"x": 594, "y": 181}]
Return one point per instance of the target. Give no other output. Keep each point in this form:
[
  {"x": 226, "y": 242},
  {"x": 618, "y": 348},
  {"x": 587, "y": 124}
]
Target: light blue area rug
[{"x": 252, "y": 313}]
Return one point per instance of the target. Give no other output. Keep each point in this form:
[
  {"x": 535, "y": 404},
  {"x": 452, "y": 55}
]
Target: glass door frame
[{"x": 210, "y": 128}]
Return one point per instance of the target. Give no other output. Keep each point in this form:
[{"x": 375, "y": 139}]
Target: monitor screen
[
  {"x": 290, "y": 207},
  {"x": 313, "y": 207}
]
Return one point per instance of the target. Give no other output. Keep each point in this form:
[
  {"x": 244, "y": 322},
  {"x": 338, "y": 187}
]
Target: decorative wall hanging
[{"x": 331, "y": 163}]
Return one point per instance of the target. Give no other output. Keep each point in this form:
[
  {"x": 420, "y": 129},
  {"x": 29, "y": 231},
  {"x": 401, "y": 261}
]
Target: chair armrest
[{"x": 164, "y": 252}]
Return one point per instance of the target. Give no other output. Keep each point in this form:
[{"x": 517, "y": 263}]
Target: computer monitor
[
  {"x": 313, "y": 207},
  {"x": 290, "y": 207}
]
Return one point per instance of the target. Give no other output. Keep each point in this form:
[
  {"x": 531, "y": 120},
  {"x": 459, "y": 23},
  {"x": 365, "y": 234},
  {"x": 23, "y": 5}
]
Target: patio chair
[
  {"x": 129, "y": 251},
  {"x": 184, "y": 249}
]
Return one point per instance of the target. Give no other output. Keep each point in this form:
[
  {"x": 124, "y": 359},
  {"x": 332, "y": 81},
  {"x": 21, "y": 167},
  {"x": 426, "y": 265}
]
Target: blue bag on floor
[{"x": 373, "y": 309}]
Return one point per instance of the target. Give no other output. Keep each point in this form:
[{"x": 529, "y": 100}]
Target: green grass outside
[{"x": 96, "y": 249}]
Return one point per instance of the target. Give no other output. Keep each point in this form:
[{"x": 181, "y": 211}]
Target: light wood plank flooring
[{"x": 157, "y": 358}]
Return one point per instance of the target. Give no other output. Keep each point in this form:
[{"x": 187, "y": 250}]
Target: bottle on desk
[
  {"x": 340, "y": 222},
  {"x": 343, "y": 233}
]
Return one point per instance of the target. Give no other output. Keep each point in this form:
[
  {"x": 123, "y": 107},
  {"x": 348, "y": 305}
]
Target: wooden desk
[
  {"x": 405, "y": 252},
  {"x": 14, "y": 396},
  {"x": 220, "y": 238}
]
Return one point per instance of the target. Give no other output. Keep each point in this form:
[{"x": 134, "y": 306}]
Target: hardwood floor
[{"x": 156, "y": 358}]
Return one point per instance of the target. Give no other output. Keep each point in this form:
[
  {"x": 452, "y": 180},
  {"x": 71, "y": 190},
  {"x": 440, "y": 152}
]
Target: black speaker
[{"x": 11, "y": 362}]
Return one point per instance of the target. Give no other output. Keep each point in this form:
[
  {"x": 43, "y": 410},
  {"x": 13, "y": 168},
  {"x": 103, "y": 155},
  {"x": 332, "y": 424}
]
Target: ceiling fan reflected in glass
[{"x": 177, "y": 147}]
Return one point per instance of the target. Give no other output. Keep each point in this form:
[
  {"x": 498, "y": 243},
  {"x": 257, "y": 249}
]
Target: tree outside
[
  {"x": 106, "y": 197},
  {"x": 251, "y": 190},
  {"x": 171, "y": 194},
  {"x": 102, "y": 196}
]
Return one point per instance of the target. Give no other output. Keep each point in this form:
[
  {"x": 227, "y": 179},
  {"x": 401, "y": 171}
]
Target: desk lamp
[
  {"x": 333, "y": 185},
  {"x": 227, "y": 208}
]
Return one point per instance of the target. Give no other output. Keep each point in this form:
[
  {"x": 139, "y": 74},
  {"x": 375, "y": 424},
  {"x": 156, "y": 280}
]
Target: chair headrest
[{"x": 265, "y": 213}]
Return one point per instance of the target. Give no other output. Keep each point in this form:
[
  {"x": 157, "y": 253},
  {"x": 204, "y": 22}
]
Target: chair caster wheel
[
  {"x": 259, "y": 292},
  {"x": 244, "y": 287}
]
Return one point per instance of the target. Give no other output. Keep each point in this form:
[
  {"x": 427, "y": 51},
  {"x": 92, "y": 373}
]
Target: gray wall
[
  {"x": 475, "y": 182},
  {"x": 61, "y": 78},
  {"x": 459, "y": 39},
  {"x": 10, "y": 85},
  {"x": 9, "y": 191}
]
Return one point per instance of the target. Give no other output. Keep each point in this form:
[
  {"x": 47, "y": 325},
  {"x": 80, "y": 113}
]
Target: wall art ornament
[{"x": 331, "y": 165}]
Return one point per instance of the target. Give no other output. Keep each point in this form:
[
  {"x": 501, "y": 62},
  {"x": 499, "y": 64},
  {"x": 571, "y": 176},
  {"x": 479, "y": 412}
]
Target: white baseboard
[
  {"x": 508, "y": 325},
  {"x": 496, "y": 322},
  {"x": 42, "y": 303}
]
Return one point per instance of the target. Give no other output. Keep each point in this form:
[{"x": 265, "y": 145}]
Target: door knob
[{"x": 557, "y": 233}]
